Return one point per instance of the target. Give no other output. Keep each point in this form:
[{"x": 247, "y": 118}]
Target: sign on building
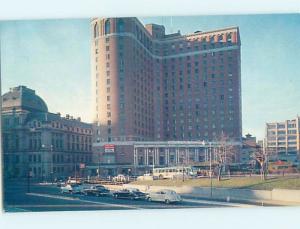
[{"x": 109, "y": 148}]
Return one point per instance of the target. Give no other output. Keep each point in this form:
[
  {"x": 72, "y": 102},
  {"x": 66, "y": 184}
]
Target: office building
[{"x": 283, "y": 139}]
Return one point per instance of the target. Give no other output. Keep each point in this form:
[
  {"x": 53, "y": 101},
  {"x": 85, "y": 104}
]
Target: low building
[
  {"x": 137, "y": 157},
  {"x": 250, "y": 146},
  {"x": 37, "y": 142}
]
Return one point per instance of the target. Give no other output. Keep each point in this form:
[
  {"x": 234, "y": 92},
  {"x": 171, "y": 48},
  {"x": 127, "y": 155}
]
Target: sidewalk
[{"x": 247, "y": 203}]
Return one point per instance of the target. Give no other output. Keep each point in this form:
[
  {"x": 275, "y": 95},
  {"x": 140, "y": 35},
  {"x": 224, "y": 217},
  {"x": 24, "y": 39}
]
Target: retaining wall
[{"x": 228, "y": 193}]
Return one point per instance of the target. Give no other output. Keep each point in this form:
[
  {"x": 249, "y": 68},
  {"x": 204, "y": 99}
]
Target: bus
[{"x": 173, "y": 172}]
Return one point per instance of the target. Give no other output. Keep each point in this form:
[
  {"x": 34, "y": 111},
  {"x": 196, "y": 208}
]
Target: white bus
[{"x": 173, "y": 172}]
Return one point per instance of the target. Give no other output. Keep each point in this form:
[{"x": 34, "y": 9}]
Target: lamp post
[
  {"x": 51, "y": 159},
  {"x": 99, "y": 166},
  {"x": 210, "y": 169},
  {"x": 210, "y": 165},
  {"x": 44, "y": 147}
]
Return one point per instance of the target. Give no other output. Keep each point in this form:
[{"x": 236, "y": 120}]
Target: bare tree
[
  {"x": 224, "y": 154},
  {"x": 261, "y": 157}
]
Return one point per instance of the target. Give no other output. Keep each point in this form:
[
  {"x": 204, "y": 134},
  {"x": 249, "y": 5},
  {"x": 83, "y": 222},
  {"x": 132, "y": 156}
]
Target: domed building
[
  {"x": 23, "y": 98},
  {"x": 40, "y": 143}
]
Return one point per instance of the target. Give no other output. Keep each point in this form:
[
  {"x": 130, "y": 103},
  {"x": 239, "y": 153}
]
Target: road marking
[
  {"x": 52, "y": 196},
  {"x": 84, "y": 201},
  {"x": 15, "y": 208},
  {"x": 218, "y": 203}
]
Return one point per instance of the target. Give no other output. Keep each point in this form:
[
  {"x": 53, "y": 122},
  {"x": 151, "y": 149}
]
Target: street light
[
  {"x": 210, "y": 172},
  {"x": 99, "y": 166},
  {"x": 44, "y": 147},
  {"x": 210, "y": 166}
]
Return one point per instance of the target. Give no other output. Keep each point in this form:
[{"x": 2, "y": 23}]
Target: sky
[{"x": 53, "y": 58}]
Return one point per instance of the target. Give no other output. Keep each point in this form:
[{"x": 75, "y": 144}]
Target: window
[
  {"x": 120, "y": 25},
  {"x": 107, "y": 27},
  {"x": 229, "y": 37},
  {"x": 96, "y": 30},
  {"x": 220, "y": 38}
]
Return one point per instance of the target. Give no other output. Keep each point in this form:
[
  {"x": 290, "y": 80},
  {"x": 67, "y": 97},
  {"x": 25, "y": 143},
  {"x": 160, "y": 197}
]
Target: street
[{"x": 49, "y": 198}]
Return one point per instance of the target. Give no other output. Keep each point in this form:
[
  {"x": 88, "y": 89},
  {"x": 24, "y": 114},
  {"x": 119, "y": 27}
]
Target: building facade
[
  {"x": 139, "y": 157},
  {"x": 250, "y": 147},
  {"x": 41, "y": 143},
  {"x": 283, "y": 139},
  {"x": 153, "y": 86}
]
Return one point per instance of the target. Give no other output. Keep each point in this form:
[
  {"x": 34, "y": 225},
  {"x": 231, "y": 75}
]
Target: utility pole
[
  {"x": 99, "y": 167},
  {"x": 210, "y": 169}
]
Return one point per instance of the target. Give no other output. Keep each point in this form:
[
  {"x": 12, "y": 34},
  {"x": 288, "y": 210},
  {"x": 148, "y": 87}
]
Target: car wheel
[
  {"x": 149, "y": 199},
  {"x": 167, "y": 201}
]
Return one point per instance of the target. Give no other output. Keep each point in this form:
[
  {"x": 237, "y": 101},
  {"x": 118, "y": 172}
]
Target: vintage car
[{"x": 165, "y": 195}]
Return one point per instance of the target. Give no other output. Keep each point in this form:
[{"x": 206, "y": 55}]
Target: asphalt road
[{"x": 49, "y": 198}]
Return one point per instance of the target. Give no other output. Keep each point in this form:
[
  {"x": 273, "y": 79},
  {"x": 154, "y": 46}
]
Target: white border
[{"x": 184, "y": 218}]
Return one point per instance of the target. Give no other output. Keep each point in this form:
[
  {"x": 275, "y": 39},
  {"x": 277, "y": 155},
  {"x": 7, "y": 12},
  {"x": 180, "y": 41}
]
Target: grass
[{"x": 235, "y": 182}]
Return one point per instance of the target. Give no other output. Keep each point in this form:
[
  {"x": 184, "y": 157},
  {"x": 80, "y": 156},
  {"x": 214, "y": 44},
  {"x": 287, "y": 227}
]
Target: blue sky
[{"x": 53, "y": 57}]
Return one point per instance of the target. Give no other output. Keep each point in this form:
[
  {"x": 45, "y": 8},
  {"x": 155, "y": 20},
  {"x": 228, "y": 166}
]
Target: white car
[
  {"x": 165, "y": 195},
  {"x": 71, "y": 188}
]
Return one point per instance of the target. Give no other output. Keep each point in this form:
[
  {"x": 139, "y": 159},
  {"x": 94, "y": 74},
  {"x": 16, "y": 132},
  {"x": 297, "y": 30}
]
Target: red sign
[{"x": 109, "y": 148}]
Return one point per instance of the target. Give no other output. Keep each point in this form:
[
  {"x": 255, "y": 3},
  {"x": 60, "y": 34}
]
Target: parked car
[
  {"x": 125, "y": 194},
  {"x": 60, "y": 183},
  {"x": 138, "y": 193},
  {"x": 71, "y": 188},
  {"x": 96, "y": 190},
  {"x": 165, "y": 195}
]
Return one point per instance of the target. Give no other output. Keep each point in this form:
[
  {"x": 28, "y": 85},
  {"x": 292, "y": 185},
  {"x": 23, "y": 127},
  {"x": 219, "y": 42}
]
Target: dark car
[
  {"x": 140, "y": 195},
  {"x": 125, "y": 194},
  {"x": 97, "y": 190}
]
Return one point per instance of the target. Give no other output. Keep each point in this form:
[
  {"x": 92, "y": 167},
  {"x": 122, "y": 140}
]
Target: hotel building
[{"x": 153, "y": 86}]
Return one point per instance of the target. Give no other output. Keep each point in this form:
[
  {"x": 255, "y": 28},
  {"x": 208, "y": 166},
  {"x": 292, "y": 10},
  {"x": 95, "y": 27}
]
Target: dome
[{"x": 23, "y": 98}]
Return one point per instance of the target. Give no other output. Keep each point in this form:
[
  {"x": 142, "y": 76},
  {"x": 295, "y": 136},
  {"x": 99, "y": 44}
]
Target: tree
[
  {"x": 261, "y": 157},
  {"x": 224, "y": 154}
]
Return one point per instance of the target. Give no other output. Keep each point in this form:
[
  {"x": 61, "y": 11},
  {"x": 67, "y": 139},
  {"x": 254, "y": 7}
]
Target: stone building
[{"x": 40, "y": 143}]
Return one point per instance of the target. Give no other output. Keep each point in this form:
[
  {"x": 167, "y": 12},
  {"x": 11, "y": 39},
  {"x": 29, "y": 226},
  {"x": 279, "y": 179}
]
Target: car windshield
[{"x": 99, "y": 187}]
